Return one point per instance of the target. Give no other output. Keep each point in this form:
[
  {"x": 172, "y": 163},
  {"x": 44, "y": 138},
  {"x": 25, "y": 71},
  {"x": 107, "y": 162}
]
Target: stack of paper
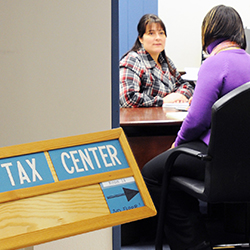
[
  {"x": 179, "y": 116},
  {"x": 191, "y": 74},
  {"x": 179, "y": 106}
]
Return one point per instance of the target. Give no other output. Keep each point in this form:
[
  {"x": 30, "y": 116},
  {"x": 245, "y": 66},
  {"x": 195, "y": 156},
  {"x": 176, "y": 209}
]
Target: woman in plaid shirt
[{"x": 147, "y": 76}]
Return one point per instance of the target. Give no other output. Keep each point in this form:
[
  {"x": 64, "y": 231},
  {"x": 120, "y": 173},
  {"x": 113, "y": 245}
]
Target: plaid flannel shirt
[{"x": 144, "y": 84}]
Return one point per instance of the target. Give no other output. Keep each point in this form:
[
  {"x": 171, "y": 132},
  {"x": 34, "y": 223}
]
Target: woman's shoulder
[
  {"x": 130, "y": 58},
  {"x": 133, "y": 54},
  {"x": 224, "y": 58},
  {"x": 213, "y": 61}
]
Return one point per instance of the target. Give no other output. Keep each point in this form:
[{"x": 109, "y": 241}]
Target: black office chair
[{"x": 227, "y": 175}]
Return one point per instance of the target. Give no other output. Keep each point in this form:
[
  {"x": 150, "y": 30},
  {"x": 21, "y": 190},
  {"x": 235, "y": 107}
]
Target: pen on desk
[{"x": 182, "y": 109}]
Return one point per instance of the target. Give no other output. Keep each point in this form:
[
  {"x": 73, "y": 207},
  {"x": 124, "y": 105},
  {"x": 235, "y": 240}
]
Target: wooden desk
[{"x": 149, "y": 131}]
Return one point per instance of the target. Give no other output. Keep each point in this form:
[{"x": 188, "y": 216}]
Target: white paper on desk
[
  {"x": 179, "y": 116},
  {"x": 191, "y": 74},
  {"x": 175, "y": 105}
]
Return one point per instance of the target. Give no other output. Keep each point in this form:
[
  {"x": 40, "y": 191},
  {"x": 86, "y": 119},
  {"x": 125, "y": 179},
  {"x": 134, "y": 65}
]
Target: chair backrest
[{"x": 228, "y": 173}]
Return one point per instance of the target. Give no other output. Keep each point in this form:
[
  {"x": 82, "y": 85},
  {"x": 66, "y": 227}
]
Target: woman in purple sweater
[{"x": 226, "y": 68}]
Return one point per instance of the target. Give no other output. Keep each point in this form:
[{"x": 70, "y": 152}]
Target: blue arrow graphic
[{"x": 129, "y": 193}]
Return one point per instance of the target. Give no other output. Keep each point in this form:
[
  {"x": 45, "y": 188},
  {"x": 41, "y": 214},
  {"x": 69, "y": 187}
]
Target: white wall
[
  {"x": 97, "y": 240},
  {"x": 55, "y": 79},
  {"x": 183, "y": 21}
]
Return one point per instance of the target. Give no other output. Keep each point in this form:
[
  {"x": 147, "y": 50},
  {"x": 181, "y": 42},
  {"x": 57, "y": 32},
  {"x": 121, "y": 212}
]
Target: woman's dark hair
[
  {"x": 223, "y": 22},
  {"x": 141, "y": 29}
]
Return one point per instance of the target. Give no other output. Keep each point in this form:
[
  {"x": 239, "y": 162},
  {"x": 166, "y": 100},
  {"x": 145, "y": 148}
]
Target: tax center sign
[
  {"x": 94, "y": 176},
  {"x": 88, "y": 159},
  {"x": 24, "y": 171},
  {"x": 83, "y": 160}
]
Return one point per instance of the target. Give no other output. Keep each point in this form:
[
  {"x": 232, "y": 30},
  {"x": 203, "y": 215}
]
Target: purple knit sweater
[{"x": 218, "y": 75}]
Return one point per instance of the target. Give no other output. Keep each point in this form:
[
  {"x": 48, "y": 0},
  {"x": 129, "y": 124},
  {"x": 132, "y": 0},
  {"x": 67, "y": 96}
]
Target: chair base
[{"x": 233, "y": 246}]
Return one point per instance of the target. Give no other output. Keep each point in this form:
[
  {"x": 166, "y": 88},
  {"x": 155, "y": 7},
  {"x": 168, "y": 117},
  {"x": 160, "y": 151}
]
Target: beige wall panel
[{"x": 55, "y": 78}]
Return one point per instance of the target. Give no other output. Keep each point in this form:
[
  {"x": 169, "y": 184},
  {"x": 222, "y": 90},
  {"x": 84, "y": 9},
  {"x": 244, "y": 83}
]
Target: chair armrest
[{"x": 188, "y": 151}]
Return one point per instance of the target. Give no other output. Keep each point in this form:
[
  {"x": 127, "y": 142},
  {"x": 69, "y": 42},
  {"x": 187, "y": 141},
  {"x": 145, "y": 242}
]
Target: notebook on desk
[
  {"x": 178, "y": 106},
  {"x": 179, "y": 116},
  {"x": 191, "y": 74}
]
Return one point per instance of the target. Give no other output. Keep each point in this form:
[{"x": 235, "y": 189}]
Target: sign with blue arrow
[{"x": 122, "y": 194}]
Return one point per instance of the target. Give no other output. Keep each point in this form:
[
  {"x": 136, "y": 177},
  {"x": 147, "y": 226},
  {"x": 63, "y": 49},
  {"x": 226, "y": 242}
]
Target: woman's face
[{"x": 153, "y": 39}]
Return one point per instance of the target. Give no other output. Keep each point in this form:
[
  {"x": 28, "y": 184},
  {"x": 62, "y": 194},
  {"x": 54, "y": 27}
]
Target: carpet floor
[{"x": 224, "y": 233}]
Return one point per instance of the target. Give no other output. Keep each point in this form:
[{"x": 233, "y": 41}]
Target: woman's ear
[{"x": 141, "y": 40}]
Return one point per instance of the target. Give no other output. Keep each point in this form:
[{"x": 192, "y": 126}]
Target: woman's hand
[{"x": 175, "y": 97}]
